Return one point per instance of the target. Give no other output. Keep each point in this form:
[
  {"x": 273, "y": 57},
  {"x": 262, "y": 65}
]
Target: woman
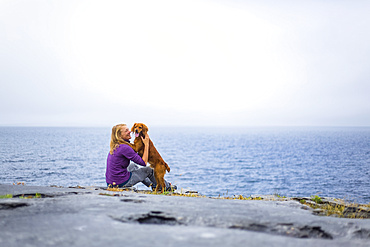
[{"x": 119, "y": 158}]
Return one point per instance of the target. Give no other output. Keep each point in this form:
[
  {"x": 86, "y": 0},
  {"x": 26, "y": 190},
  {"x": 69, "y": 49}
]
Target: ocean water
[{"x": 296, "y": 161}]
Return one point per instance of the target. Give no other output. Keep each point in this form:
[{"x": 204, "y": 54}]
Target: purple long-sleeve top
[{"x": 118, "y": 162}]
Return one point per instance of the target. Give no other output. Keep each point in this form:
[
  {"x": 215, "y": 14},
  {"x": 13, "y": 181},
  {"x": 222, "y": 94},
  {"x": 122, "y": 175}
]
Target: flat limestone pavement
[{"x": 95, "y": 217}]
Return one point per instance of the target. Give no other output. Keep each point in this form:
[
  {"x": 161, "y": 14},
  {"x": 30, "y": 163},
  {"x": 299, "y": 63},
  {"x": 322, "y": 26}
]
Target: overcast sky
[{"x": 249, "y": 63}]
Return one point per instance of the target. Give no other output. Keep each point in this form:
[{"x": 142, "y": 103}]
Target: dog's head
[{"x": 139, "y": 129}]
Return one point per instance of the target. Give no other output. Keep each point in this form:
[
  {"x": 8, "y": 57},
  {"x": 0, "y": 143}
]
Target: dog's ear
[
  {"x": 145, "y": 128},
  {"x": 133, "y": 127}
]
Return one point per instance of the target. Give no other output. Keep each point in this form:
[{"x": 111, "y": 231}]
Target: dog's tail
[{"x": 167, "y": 167}]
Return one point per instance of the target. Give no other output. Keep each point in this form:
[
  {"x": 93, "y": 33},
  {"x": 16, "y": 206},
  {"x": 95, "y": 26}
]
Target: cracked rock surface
[{"x": 90, "y": 217}]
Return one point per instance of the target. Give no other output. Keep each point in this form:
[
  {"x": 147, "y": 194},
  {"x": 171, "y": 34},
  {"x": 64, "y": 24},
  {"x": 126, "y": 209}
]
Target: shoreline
[
  {"x": 321, "y": 206},
  {"x": 95, "y": 216}
]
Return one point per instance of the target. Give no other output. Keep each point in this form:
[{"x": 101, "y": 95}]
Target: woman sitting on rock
[{"x": 119, "y": 172}]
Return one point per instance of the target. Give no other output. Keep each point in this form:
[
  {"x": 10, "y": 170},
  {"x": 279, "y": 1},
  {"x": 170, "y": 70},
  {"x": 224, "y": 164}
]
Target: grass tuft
[
  {"x": 316, "y": 199},
  {"x": 338, "y": 208}
]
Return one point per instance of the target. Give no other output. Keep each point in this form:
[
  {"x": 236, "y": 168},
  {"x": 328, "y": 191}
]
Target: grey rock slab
[{"x": 89, "y": 217}]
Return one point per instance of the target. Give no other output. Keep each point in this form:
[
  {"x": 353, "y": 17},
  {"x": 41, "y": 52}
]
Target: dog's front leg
[{"x": 138, "y": 144}]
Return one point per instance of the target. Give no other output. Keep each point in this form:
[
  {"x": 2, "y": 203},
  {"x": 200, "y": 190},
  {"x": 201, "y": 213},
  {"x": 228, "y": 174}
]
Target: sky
[{"x": 185, "y": 63}]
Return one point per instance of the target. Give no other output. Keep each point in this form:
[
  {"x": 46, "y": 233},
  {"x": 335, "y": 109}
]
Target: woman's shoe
[{"x": 171, "y": 188}]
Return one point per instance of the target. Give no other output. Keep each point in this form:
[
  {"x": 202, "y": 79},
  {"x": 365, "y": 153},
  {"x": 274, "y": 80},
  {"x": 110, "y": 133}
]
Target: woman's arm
[{"x": 146, "y": 148}]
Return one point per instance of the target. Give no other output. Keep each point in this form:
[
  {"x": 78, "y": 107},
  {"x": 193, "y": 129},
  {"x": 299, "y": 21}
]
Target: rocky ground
[{"x": 50, "y": 216}]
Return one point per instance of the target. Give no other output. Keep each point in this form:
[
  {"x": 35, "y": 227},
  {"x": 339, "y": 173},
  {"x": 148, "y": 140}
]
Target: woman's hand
[
  {"x": 146, "y": 140},
  {"x": 146, "y": 148}
]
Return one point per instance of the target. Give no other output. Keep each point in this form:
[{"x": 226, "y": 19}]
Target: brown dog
[{"x": 154, "y": 158}]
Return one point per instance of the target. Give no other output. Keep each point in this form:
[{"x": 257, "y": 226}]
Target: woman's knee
[
  {"x": 132, "y": 167},
  {"x": 148, "y": 170}
]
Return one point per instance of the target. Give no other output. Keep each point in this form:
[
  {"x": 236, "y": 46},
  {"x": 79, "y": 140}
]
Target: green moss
[
  {"x": 6, "y": 196},
  {"x": 37, "y": 195}
]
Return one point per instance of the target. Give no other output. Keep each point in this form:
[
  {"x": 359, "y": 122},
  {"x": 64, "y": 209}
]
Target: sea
[{"x": 215, "y": 161}]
